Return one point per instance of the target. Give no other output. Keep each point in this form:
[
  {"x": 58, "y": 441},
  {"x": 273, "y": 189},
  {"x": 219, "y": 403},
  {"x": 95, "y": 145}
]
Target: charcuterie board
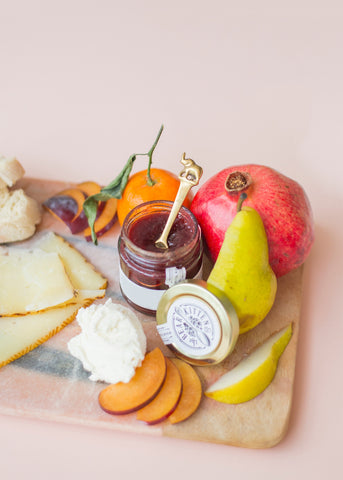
[{"x": 48, "y": 383}]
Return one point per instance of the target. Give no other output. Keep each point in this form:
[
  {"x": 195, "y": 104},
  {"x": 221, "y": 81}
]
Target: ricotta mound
[{"x": 112, "y": 343}]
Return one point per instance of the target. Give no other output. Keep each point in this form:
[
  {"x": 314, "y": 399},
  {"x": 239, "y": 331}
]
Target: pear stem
[{"x": 241, "y": 199}]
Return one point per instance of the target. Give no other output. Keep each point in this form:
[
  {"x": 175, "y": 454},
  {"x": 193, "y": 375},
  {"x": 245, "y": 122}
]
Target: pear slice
[{"x": 254, "y": 373}]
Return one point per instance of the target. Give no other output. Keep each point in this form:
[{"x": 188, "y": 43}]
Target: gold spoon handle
[
  {"x": 189, "y": 177},
  {"x": 184, "y": 188}
]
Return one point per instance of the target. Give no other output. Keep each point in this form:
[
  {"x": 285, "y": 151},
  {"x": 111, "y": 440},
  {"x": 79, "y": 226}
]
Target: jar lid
[{"x": 197, "y": 322}]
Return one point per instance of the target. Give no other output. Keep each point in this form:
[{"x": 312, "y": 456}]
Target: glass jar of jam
[{"x": 147, "y": 271}]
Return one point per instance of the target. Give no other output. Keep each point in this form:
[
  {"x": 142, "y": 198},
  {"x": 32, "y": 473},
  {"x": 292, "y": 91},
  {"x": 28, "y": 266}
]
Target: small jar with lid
[
  {"x": 197, "y": 322},
  {"x": 147, "y": 271}
]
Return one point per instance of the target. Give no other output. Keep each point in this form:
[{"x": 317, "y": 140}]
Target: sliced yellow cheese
[
  {"x": 82, "y": 296},
  {"x": 85, "y": 295},
  {"x": 19, "y": 335},
  {"x": 32, "y": 280},
  {"x": 81, "y": 273}
]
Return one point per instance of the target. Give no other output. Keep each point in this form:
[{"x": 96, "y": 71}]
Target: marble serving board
[{"x": 49, "y": 384}]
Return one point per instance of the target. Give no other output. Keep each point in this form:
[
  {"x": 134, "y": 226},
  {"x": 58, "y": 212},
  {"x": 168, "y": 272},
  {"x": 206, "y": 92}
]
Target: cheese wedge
[
  {"x": 20, "y": 335},
  {"x": 32, "y": 280},
  {"x": 82, "y": 296},
  {"x": 81, "y": 273}
]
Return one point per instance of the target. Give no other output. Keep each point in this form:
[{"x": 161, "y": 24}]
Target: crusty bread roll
[
  {"x": 3, "y": 186},
  {"x": 4, "y": 196},
  {"x": 10, "y": 171},
  {"x": 19, "y": 214},
  {"x": 18, "y": 217}
]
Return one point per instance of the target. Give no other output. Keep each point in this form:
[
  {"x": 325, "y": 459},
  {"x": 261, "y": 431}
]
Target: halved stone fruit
[{"x": 67, "y": 206}]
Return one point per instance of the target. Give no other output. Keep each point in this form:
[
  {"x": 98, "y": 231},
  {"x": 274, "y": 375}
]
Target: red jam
[
  {"x": 146, "y": 271},
  {"x": 145, "y": 231}
]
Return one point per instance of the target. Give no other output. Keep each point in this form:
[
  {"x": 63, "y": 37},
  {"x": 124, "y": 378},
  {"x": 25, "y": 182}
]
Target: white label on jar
[
  {"x": 149, "y": 298},
  {"x": 175, "y": 275},
  {"x": 141, "y": 296},
  {"x": 192, "y": 326}
]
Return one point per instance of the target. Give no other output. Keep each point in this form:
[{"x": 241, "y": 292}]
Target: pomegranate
[{"x": 281, "y": 202}]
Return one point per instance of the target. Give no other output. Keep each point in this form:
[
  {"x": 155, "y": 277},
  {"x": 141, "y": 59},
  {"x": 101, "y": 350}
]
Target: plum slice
[
  {"x": 67, "y": 206},
  {"x": 191, "y": 392},
  {"x": 166, "y": 400},
  {"x": 89, "y": 188},
  {"x": 105, "y": 220},
  {"x": 122, "y": 398}
]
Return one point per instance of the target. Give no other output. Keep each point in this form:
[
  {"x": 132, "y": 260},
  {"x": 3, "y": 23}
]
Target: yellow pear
[
  {"x": 254, "y": 373},
  {"x": 242, "y": 268}
]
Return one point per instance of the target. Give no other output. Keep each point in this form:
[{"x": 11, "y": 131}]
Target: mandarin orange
[{"x": 138, "y": 190}]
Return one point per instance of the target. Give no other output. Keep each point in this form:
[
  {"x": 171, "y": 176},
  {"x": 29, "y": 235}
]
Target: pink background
[{"x": 84, "y": 84}]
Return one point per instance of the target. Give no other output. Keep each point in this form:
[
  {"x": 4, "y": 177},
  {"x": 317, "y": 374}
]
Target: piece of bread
[
  {"x": 10, "y": 171},
  {"x": 3, "y": 185},
  {"x": 19, "y": 215},
  {"x": 4, "y": 196}
]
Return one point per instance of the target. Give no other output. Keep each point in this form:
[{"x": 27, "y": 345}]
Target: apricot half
[
  {"x": 122, "y": 398},
  {"x": 166, "y": 400}
]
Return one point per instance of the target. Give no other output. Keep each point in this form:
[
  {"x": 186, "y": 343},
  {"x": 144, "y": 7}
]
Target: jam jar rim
[{"x": 160, "y": 254}]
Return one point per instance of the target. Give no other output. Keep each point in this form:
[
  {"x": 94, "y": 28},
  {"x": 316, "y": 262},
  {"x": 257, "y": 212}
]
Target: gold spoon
[{"x": 189, "y": 177}]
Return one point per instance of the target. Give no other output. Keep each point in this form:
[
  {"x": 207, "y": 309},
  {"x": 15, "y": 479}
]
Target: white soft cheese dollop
[{"x": 112, "y": 343}]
